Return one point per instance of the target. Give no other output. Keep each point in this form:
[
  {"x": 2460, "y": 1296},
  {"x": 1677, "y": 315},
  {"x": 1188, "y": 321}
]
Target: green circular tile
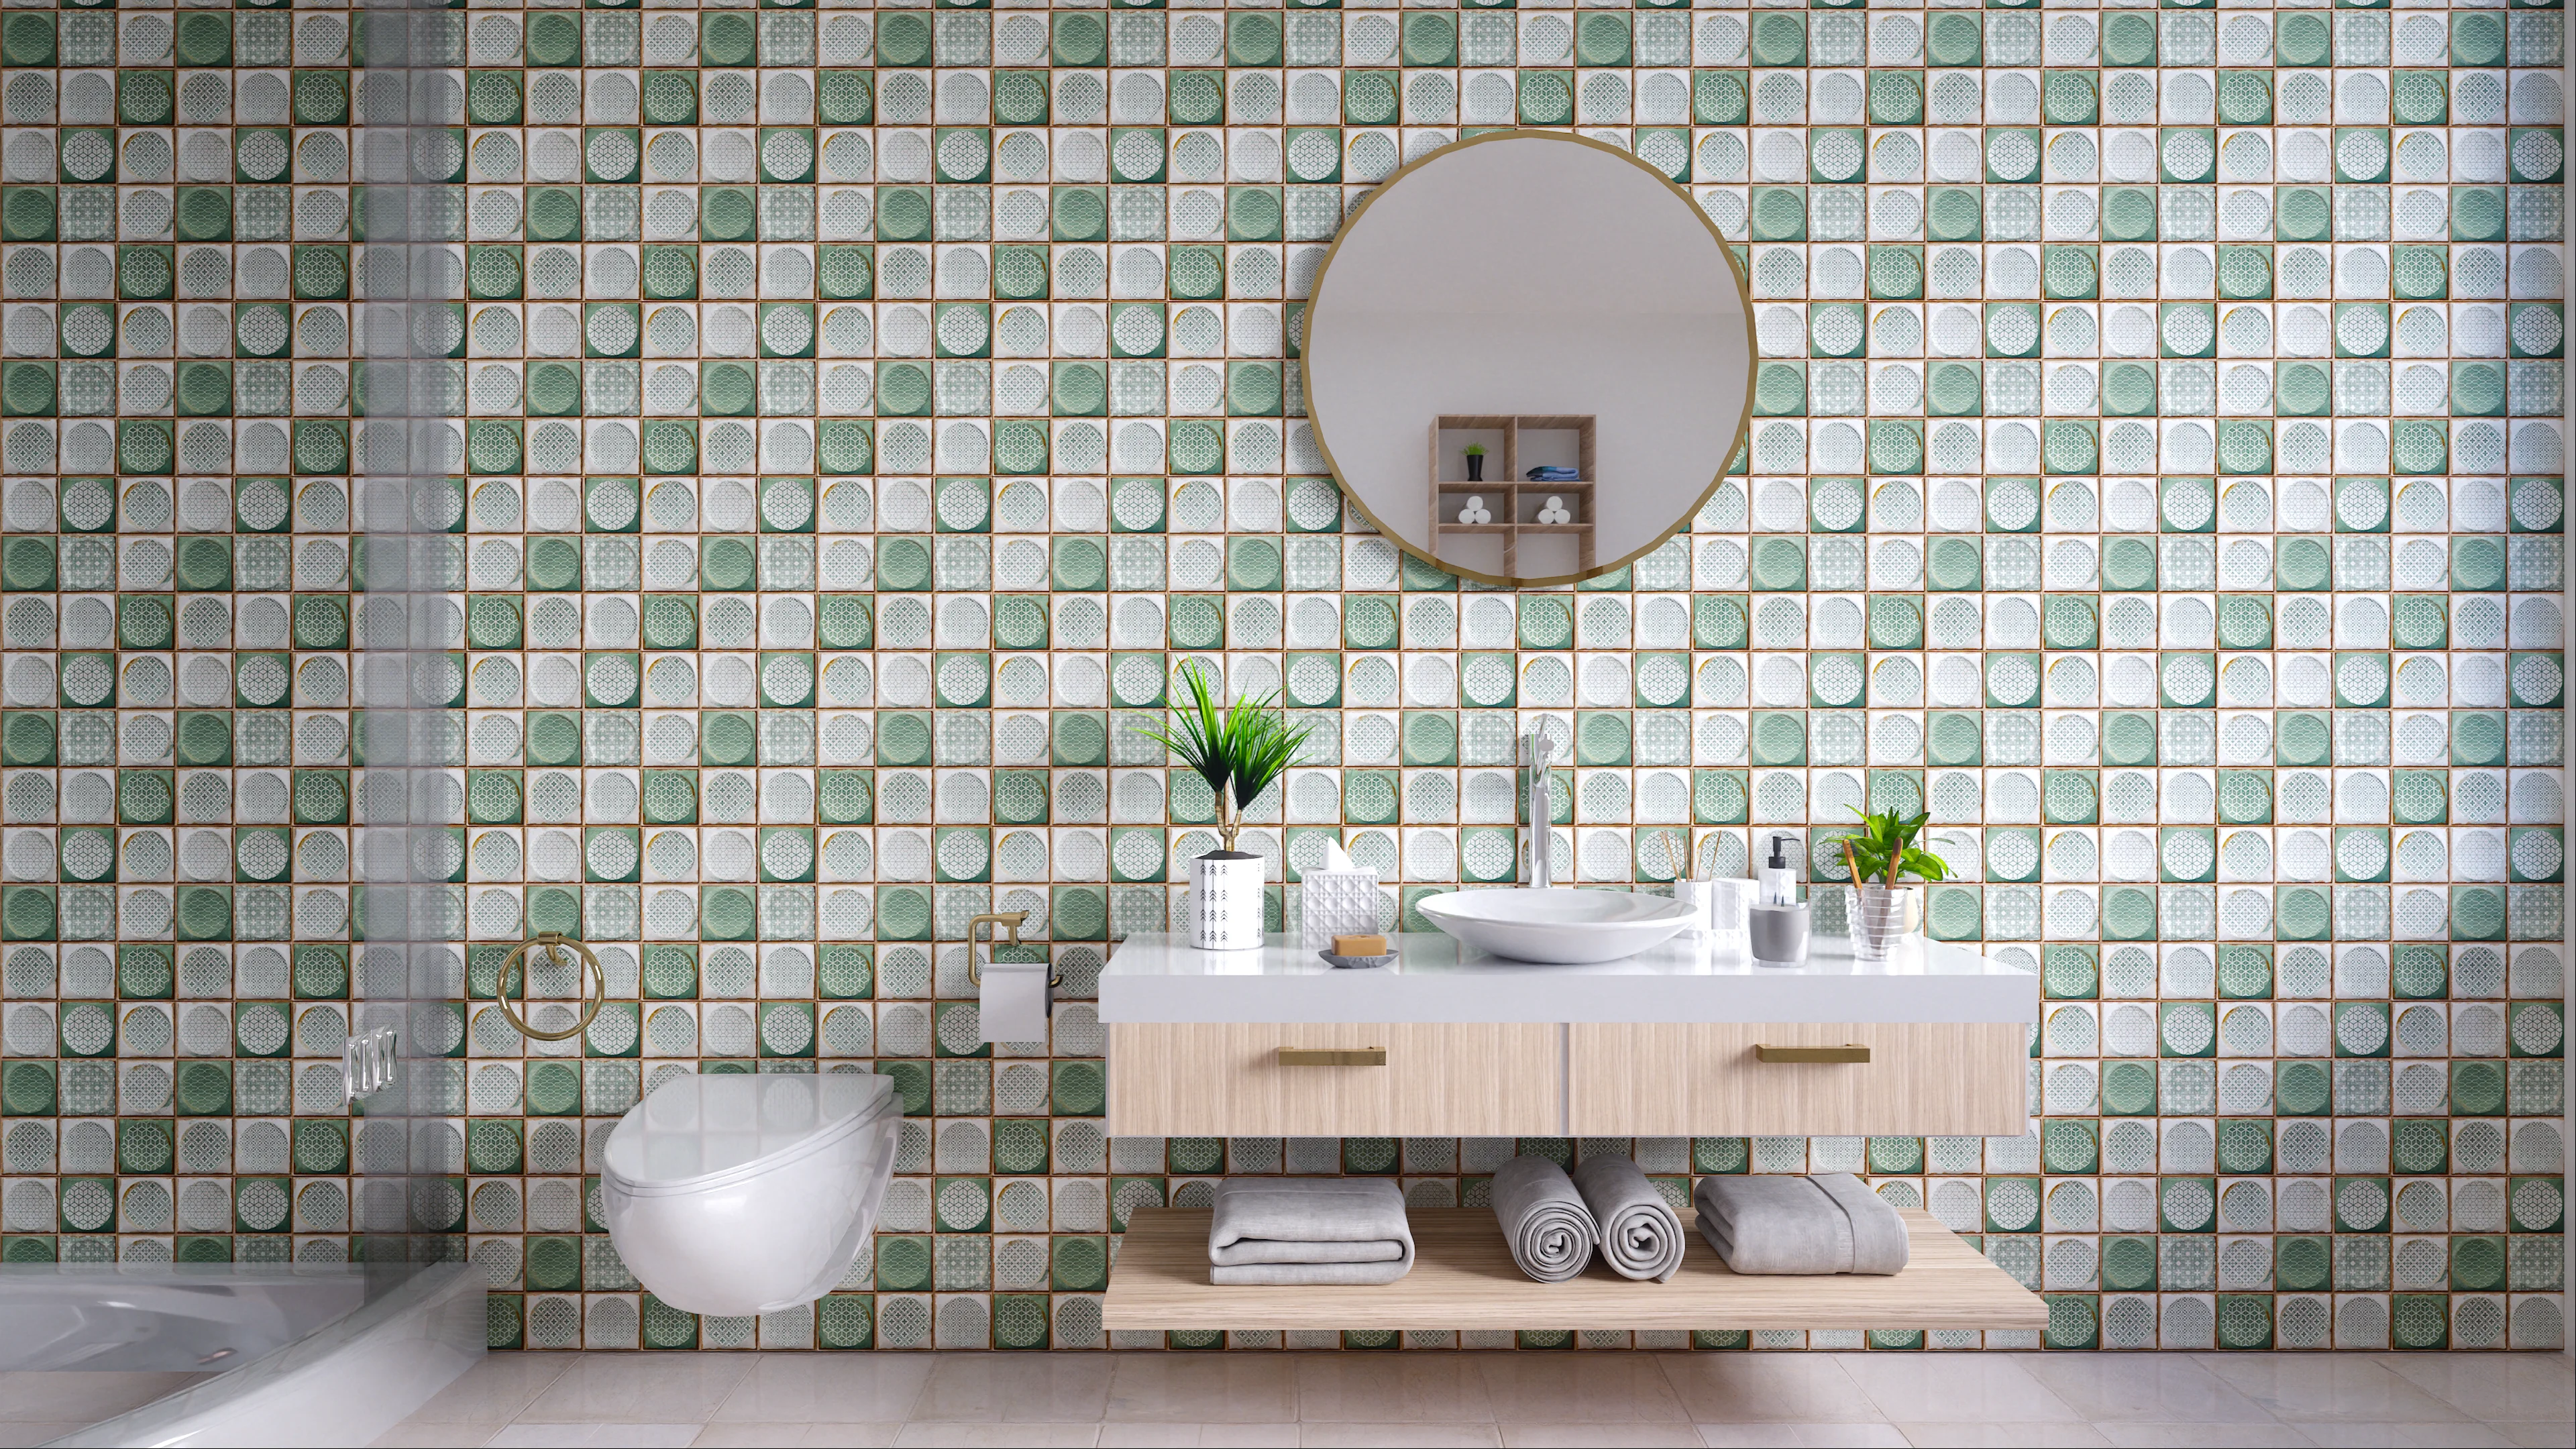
[
  {"x": 554, "y": 1089},
  {"x": 2302, "y": 913},
  {"x": 205, "y": 214},
  {"x": 205, "y": 913},
  {"x": 2128, "y": 1088},
  {"x": 555, "y": 741},
  {"x": 28, "y": 739},
  {"x": 554, "y": 214},
  {"x": 1779, "y": 563},
  {"x": 2478, "y": 739},
  {"x": 28, "y": 563},
  {"x": 553, "y": 563},
  {"x": 726, "y": 564},
  {"x": 205, "y": 563},
  {"x": 726, "y": 388},
  {"x": 2128, "y": 215},
  {"x": 1954, "y": 215},
  {"x": 2302, "y": 564}
]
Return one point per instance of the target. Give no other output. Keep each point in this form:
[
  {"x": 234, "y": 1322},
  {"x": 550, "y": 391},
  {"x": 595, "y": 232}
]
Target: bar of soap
[{"x": 1359, "y": 945}]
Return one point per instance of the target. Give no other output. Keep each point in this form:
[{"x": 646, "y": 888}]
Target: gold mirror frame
[{"x": 1741, "y": 443}]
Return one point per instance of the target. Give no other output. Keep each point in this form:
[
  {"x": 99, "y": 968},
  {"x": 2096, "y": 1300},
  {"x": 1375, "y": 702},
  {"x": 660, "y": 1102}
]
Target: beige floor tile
[
  {"x": 1056, "y": 1388},
  {"x": 1202, "y": 1388},
  {"x": 2002, "y": 1436},
  {"x": 2164, "y": 1388},
  {"x": 999, "y": 1436},
  {"x": 639, "y": 1388},
  {"x": 2265, "y": 1435},
  {"x": 1391, "y": 1388},
  {"x": 830, "y": 1388},
  {"x": 1609, "y": 1436},
  {"x": 2327, "y": 1388},
  {"x": 1804, "y": 1436},
  {"x": 796, "y": 1436},
  {"x": 2522, "y": 1387},
  {"x": 1753, "y": 1388},
  {"x": 494, "y": 1391},
  {"x": 1579, "y": 1388},
  {"x": 1199, "y": 1437},
  {"x": 1960, "y": 1388},
  {"x": 621, "y": 1434},
  {"x": 1400, "y": 1436},
  {"x": 400, "y": 1436},
  {"x": 2449, "y": 1435},
  {"x": 2555, "y": 1434}
]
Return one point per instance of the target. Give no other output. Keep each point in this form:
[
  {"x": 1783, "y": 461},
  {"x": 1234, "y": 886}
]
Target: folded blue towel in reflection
[{"x": 1553, "y": 475}]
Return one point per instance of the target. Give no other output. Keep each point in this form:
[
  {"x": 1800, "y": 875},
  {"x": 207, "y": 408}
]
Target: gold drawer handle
[
  {"x": 1332, "y": 1056},
  {"x": 1844, "y": 1053}
]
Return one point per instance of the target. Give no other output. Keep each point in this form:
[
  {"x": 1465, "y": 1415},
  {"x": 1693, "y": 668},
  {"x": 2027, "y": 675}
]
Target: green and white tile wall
[{"x": 2157, "y": 477}]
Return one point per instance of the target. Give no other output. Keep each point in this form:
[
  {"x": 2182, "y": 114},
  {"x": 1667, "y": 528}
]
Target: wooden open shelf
[
  {"x": 1463, "y": 1277},
  {"x": 1513, "y": 501}
]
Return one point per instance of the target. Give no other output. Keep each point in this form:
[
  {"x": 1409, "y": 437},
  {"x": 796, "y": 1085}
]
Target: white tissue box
[{"x": 1338, "y": 903}]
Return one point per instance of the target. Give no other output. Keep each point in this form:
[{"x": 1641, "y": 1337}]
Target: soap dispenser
[
  {"x": 1779, "y": 882},
  {"x": 1777, "y": 923}
]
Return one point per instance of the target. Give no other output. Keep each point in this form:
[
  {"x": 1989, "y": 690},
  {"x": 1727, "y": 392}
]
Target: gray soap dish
[{"x": 1357, "y": 962}]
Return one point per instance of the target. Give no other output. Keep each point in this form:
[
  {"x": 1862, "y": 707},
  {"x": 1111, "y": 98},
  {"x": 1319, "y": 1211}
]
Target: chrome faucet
[{"x": 1541, "y": 876}]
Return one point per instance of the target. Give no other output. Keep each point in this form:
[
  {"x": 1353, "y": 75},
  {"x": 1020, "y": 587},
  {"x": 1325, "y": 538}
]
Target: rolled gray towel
[
  {"x": 1307, "y": 1230},
  {"x": 1641, "y": 1235},
  {"x": 1828, "y": 1223},
  {"x": 1550, "y": 1231}
]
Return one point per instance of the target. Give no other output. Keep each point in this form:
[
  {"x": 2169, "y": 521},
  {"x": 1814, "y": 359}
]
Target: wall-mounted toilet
[{"x": 745, "y": 1193}]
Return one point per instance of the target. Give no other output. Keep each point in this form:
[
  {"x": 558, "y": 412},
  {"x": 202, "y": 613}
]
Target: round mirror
[{"x": 1528, "y": 358}]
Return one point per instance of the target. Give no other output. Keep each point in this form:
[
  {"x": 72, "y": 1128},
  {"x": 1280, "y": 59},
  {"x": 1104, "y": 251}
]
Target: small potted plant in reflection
[
  {"x": 1475, "y": 462},
  {"x": 1878, "y": 854}
]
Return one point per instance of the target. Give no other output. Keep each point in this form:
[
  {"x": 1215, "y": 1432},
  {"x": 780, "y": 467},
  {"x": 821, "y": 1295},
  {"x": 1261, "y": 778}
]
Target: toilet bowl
[{"x": 747, "y": 1193}]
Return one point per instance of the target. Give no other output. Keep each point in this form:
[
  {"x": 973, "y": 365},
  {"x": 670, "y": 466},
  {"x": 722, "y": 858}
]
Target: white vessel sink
[{"x": 1557, "y": 927}]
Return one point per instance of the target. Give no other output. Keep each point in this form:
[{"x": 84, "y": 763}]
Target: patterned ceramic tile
[{"x": 2157, "y": 476}]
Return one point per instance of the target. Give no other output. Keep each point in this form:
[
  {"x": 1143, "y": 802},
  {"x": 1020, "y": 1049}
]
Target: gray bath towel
[
  {"x": 1829, "y": 1223},
  {"x": 1308, "y": 1230},
  {"x": 1641, "y": 1235},
  {"x": 1550, "y": 1231}
]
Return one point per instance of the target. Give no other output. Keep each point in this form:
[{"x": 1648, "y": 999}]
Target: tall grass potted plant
[
  {"x": 1883, "y": 850},
  {"x": 1239, "y": 750}
]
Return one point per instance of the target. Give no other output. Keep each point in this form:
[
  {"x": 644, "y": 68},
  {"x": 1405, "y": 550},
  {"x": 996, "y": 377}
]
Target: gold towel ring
[{"x": 553, "y": 943}]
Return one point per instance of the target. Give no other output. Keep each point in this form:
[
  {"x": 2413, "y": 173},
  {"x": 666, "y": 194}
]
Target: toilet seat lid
[{"x": 698, "y": 1127}]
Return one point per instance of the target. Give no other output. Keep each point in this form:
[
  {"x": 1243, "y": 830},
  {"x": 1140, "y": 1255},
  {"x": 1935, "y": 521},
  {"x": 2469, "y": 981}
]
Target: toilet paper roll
[{"x": 1014, "y": 1001}]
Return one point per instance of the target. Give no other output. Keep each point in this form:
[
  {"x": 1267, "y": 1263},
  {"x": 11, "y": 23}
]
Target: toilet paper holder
[{"x": 1012, "y": 920}]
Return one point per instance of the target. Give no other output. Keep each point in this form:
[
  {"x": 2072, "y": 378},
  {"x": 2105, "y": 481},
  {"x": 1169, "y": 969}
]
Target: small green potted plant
[
  {"x": 1882, "y": 851},
  {"x": 1475, "y": 462},
  {"x": 1239, "y": 750}
]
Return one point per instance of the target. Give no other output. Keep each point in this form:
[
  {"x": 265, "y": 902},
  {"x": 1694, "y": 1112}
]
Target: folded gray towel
[
  {"x": 1828, "y": 1223},
  {"x": 1550, "y": 1231},
  {"x": 1641, "y": 1235},
  {"x": 1305, "y": 1230}
]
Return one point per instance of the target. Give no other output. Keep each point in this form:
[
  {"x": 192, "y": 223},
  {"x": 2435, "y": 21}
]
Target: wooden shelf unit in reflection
[{"x": 1514, "y": 502}]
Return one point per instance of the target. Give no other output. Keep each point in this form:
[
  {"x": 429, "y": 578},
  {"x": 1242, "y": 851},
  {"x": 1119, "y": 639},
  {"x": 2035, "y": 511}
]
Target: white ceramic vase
[{"x": 1225, "y": 901}]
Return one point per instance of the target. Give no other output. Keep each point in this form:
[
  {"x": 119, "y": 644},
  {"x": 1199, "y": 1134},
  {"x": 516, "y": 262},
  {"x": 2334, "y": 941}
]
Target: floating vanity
[{"x": 1681, "y": 1040}]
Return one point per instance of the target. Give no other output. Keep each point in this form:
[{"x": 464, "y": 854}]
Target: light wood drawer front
[
  {"x": 1227, "y": 1080},
  {"x": 1950, "y": 1079}
]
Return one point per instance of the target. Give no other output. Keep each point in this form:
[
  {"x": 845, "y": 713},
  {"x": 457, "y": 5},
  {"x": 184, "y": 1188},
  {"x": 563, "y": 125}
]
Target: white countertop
[{"x": 1161, "y": 978}]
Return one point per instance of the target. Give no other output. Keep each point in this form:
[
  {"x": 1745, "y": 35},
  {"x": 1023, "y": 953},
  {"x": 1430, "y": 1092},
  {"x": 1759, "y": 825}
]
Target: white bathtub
[{"x": 231, "y": 1353}]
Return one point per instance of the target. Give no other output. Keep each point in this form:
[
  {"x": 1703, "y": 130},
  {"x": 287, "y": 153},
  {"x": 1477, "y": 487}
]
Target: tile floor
[{"x": 1715, "y": 1399}]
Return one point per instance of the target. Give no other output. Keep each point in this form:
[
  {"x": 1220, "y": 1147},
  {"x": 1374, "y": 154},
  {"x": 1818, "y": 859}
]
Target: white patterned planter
[{"x": 1225, "y": 901}]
